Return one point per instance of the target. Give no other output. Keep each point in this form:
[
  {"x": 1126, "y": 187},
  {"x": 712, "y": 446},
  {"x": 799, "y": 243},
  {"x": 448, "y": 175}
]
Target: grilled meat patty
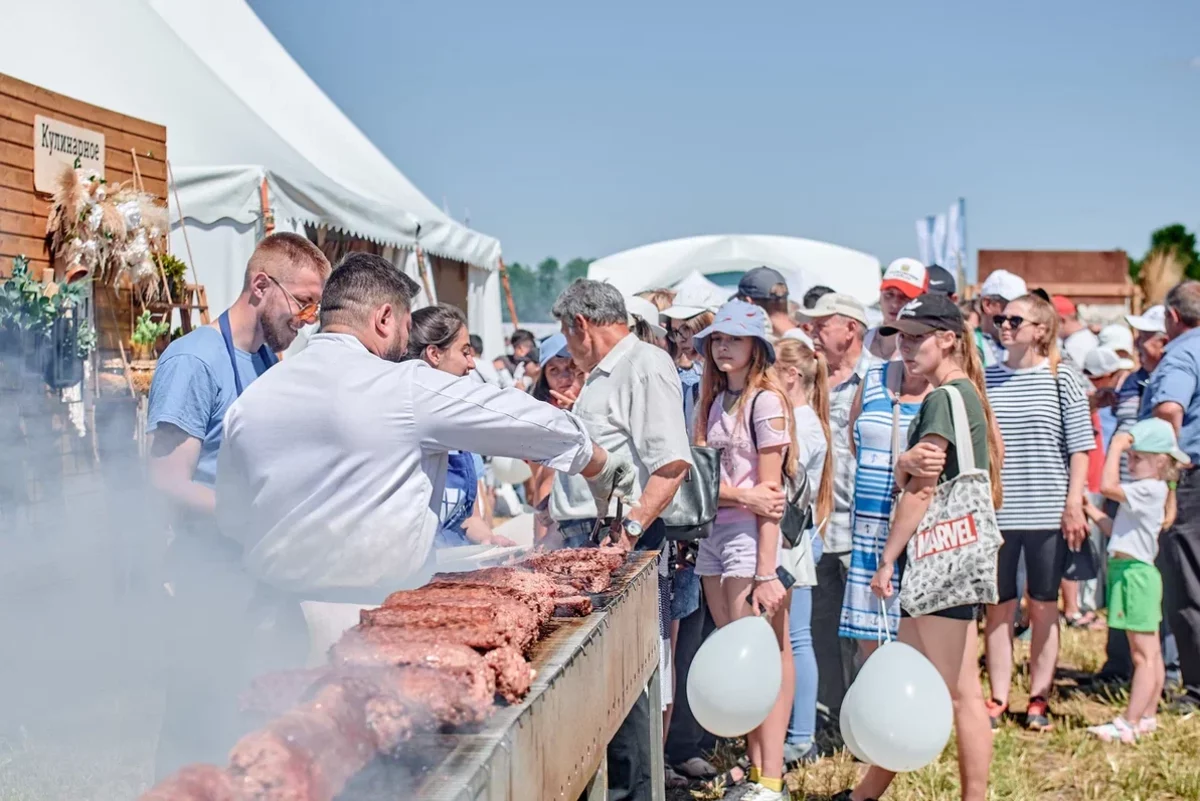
[{"x": 194, "y": 783}]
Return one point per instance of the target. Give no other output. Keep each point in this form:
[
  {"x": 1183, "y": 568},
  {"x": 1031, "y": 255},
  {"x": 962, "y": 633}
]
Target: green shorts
[{"x": 1135, "y": 594}]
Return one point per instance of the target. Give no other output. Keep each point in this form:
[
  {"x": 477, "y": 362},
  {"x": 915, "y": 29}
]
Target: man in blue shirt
[
  {"x": 198, "y": 377},
  {"x": 1174, "y": 395}
]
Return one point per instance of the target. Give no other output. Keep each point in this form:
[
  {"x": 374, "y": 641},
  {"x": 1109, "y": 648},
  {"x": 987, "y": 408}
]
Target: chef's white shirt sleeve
[{"x": 460, "y": 414}]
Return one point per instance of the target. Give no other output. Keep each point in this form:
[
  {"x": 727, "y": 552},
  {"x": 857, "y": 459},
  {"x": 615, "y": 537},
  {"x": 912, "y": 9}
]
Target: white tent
[
  {"x": 228, "y": 128},
  {"x": 804, "y": 262}
]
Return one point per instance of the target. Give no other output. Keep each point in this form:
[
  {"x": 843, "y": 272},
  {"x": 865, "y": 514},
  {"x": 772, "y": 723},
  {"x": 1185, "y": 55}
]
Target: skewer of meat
[{"x": 194, "y": 783}]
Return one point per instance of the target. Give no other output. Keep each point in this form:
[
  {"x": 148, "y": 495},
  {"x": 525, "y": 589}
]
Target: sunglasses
[
  {"x": 308, "y": 311},
  {"x": 1013, "y": 321}
]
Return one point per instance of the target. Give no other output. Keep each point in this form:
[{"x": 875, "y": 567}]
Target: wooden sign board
[
  {"x": 23, "y": 208},
  {"x": 59, "y": 145}
]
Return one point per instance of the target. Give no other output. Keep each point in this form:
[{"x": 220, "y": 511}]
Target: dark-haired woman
[{"x": 439, "y": 336}]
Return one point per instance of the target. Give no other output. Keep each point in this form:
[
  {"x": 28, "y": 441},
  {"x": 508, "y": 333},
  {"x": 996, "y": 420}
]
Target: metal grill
[{"x": 590, "y": 671}]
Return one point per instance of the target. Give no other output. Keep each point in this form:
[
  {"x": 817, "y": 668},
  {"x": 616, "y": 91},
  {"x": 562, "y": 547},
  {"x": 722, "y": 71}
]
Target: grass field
[{"x": 1065, "y": 765}]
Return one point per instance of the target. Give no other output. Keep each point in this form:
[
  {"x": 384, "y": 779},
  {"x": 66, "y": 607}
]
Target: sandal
[{"x": 1081, "y": 620}]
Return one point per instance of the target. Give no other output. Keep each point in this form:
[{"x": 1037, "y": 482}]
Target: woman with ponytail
[
  {"x": 935, "y": 343},
  {"x": 1043, "y": 415},
  {"x": 805, "y": 378}
]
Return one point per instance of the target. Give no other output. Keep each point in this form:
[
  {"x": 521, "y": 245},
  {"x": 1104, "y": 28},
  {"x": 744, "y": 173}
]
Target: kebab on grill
[{"x": 428, "y": 659}]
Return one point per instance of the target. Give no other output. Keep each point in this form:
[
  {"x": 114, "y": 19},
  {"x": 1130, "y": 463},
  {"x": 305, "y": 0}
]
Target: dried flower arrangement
[{"x": 107, "y": 231}]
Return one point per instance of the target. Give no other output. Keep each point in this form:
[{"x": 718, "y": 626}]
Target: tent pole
[
  {"x": 424, "y": 270},
  {"x": 264, "y": 202},
  {"x": 512, "y": 307}
]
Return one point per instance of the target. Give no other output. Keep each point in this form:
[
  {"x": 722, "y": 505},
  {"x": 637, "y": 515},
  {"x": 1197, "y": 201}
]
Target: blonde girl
[{"x": 805, "y": 378}]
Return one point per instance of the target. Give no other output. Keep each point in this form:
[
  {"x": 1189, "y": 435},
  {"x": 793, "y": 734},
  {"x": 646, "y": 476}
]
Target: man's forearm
[
  {"x": 189, "y": 495},
  {"x": 659, "y": 490}
]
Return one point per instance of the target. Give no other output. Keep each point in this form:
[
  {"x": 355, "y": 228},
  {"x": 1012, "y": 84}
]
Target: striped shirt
[
  {"x": 1129, "y": 400},
  {"x": 838, "y": 536},
  {"x": 1032, "y": 410}
]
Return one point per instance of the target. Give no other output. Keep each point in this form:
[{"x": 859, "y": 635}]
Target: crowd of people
[{"x": 1084, "y": 441}]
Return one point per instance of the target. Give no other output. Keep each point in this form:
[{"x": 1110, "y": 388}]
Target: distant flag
[
  {"x": 942, "y": 239},
  {"x": 925, "y": 240},
  {"x": 956, "y": 239},
  {"x": 939, "y": 240}
]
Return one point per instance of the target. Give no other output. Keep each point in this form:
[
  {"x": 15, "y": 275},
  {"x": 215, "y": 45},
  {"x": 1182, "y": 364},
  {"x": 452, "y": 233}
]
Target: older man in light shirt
[{"x": 632, "y": 406}]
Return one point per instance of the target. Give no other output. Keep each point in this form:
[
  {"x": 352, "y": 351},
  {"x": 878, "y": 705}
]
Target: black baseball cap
[
  {"x": 929, "y": 312},
  {"x": 757, "y": 284},
  {"x": 940, "y": 280}
]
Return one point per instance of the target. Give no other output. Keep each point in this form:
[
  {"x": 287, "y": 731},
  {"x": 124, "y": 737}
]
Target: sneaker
[
  {"x": 996, "y": 711},
  {"x": 1184, "y": 705},
  {"x": 1147, "y": 725},
  {"x": 760, "y": 793},
  {"x": 1119, "y": 731},
  {"x": 844, "y": 795},
  {"x": 797, "y": 754},
  {"x": 1037, "y": 716}
]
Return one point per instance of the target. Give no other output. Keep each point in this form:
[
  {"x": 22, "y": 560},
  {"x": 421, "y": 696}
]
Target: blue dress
[{"x": 874, "y": 490}]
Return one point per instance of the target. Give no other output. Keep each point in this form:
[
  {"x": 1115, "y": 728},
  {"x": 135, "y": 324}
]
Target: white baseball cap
[
  {"x": 647, "y": 311},
  {"x": 1154, "y": 319},
  {"x": 909, "y": 276},
  {"x": 1003, "y": 284},
  {"x": 836, "y": 303},
  {"x": 1102, "y": 361},
  {"x": 695, "y": 295},
  {"x": 1118, "y": 337},
  {"x": 801, "y": 337}
]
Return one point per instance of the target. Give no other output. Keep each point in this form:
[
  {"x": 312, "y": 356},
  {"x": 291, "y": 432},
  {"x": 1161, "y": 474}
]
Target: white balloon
[
  {"x": 847, "y": 728},
  {"x": 901, "y": 714},
  {"x": 510, "y": 471},
  {"x": 735, "y": 677}
]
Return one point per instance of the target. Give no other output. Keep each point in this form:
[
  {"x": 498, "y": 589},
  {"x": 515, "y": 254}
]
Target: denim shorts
[{"x": 685, "y": 592}]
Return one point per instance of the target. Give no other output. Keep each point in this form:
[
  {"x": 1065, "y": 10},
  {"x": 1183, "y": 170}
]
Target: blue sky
[{"x": 573, "y": 129}]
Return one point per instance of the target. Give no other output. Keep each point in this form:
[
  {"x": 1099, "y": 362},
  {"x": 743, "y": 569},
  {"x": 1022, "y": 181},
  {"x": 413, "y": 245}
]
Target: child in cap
[{"x": 1135, "y": 590}]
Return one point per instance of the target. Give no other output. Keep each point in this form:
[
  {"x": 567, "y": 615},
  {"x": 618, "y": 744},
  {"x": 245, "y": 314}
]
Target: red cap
[{"x": 1063, "y": 306}]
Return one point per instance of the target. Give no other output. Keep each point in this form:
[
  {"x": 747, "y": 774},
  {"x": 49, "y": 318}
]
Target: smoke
[{"x": 82, "y": 596}]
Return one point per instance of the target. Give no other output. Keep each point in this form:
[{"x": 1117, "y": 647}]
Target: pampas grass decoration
[
  {"x": 1161, "y": 270},
  {"x": 112, "y": 222}
]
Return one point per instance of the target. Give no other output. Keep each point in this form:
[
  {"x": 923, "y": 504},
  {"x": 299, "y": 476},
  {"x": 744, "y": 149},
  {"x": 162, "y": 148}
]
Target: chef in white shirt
[{"x": 331, "y": 471}]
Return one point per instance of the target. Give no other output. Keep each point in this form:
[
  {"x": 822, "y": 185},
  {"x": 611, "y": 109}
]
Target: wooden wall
[
  {"x": 23, "y": 211},
  {"x": 1087, "y": 276}
]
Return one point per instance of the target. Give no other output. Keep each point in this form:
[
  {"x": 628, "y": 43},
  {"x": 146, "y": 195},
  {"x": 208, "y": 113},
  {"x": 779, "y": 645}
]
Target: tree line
[{"x": 534, "y": 289}]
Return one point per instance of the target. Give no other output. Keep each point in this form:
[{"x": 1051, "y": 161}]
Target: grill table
[{"x": 590, "y": 671}]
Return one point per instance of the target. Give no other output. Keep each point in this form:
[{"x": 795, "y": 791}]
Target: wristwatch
[{"x": 632, "y": 528}]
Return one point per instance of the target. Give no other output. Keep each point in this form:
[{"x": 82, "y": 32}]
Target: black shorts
[
  {"x": 965, "y": 612},
  {"x": 1045, "y": 560}
]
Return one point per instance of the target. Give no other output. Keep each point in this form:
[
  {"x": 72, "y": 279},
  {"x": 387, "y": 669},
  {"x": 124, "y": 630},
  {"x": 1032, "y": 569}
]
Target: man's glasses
[
  {"x": 308, "y": 311},
  {"x": 1013, "y": 321}
]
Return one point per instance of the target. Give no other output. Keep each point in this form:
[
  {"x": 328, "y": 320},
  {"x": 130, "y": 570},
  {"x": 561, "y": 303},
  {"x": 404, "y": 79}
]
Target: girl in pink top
[{"x": 740, "y": 395}]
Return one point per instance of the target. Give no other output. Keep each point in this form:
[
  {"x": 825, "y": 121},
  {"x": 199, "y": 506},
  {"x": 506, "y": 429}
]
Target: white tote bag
[{"x": 952, "y": 557}]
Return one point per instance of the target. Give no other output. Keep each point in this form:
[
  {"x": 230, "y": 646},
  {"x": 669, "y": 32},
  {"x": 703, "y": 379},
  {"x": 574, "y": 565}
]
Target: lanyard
[{"x": 264, "y": 353}]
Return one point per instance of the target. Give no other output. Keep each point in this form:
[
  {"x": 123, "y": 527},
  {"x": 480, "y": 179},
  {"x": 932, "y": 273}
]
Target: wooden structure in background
[
  {"x": 1085, "y": 276},
  {"x": 23, "y": 211}
]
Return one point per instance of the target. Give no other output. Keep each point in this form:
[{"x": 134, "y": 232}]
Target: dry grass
[{"x": 1065, "y": 765}]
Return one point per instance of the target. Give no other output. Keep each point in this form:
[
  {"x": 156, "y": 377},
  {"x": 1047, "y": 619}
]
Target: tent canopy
[
  {"x": 240, "y": 50},
  {"x": 220, "y": 145},
  {"x": 804, "y": 262}
]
